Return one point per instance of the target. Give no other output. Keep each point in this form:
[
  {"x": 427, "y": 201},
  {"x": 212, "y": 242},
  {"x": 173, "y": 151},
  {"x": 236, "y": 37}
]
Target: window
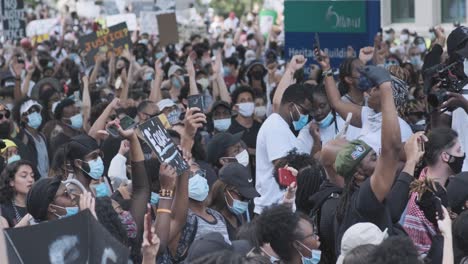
[
  {"x": 402, "y": 11},
  {"x": 453, "y": 11}
]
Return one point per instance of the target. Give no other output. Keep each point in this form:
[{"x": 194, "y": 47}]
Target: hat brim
[
  {"x": 236, "y": 138},
  {"x": 248, "y": 192}
]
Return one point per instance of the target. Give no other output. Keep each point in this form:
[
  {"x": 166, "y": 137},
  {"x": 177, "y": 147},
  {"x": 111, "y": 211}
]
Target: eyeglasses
[{"x": 6, "y": 115}]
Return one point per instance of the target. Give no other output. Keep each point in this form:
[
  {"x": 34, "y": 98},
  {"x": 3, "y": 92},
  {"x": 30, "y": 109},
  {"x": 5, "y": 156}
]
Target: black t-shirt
[
  {"x": 9, "y": 213},
  {"x": 250, "y": 134}
]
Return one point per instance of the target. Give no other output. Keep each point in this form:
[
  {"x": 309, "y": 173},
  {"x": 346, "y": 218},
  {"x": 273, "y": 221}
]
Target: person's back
[{"x": 398, "y": 249}]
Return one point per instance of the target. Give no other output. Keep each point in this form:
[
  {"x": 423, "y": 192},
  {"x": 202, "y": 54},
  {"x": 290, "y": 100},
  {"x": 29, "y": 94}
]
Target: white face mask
[
  {"x": 222, "y": 125},
  {"x": 246, "y": 109},
  {"x": 404, "y": 37},
  {"x": 465, "y": 67},
  {"x": 260, "y": 111},
  {"x": 243, "y": 158},
  {"x": 422, "y": 47}
]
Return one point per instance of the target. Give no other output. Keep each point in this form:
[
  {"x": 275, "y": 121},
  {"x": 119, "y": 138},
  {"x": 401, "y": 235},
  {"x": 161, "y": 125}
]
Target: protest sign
[
  {"x": 353, "y": 23},
  {"x": 13, "y": 18},
  {"x": 109, "y": 7},
  {"x": 87, "y": 9},
  {"x": 267, "y": 20},
  {"x": 75, "y": 239},
  {"x": 115, "y": 38},
  {"x": 140, "y": 6},
  {"x": 148, "y": 23},
  {"x": 165, "y": 6},
  {"x": 169, "y": 33},
  {"x": 41, "y": 27},
  {"x": 162, "y": 144},
  {"x": 130, "y": 19}
]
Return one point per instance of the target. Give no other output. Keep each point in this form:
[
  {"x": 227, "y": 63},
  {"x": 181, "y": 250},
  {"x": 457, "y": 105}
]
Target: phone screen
[
  {"x": 196, "y": 101},
  {"x": 127, "y": 122}
]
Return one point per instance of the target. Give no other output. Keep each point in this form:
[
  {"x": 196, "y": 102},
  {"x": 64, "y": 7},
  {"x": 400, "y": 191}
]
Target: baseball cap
[
  {"x": 215, "y": 242},
  {"x": 8, "y": 144},
  {"x": 456, "y": 38},
  {"x": 457, "y": 192},
  {"x": 219, "y": 143},
  {"x": 360, "y": 234},
  {"x": 237, "y": 175},
  {"x": 164, "y": 103},
  {"x": 220, "y": 103},
  {"x": 27, "y": 105},
  {"x": 42, "y": 194},
  {"x": 350, "y": 156},
  {"x": 173, "y": 69}
]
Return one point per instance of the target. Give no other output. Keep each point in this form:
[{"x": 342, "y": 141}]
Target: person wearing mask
[
  {"x": 457, "y": 193},
  {"x": 230, "y": 71},
  {"x": 9, "y": 153},
  {"x": 15, "y": 182},
  {"x": 349, "y": 70},
  {"x": 291, "y": 235},
  {"x": 221, "y": 116},
  {"x": 444, "y": 157},
  {"x": 146, "y": 110},
  {"x": 170, "y": 110},
  {"x": 231, "y": 194},
  {"x": 225, "y": 148},
  {"x": 243, "y": 104},
  {"x": 176, "y": 81},
  {"x": 255, "y": 76},
  {"x": 28, "y": 115}
]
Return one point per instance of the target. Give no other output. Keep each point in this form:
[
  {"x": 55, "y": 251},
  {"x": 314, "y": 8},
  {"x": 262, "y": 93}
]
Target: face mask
[
  {"x": 13, "y": 158},
  {"x": 416, "y": 60},
  {"x": 140, "y": 61},
  {"x": 154, "y": 200},
  {"x": 273, "y": 259},
  {"x": 404, "y": 37},
  {"x": 222, "y": 125},
  {"x": 252, "y": 43},
  {"x": 316, "y": 255},
  {"x": 302, "y": 122},
  {"x": 173, "y": 117},
  {"x": 393, "y": 49},
  {"x": 386, "y": 37},
  {"x": 198, "y": 188},
  {"x": 227, "y": 71},
  {"x": 432, "y": 35},
  {"x": 238, "y": 207},
  {"x": 465, "y": 67},
  {"x": 243, "y": 158},
  {"x": 34, "y": 120},
  {"x": 246, "y": 109},
  {"x": 72, "y": 210},
  {"x": 176, "y": 83},
  {"x": 148, "y": 76},
  {"x": 204, "y": 82},
  {"x": 326, "y": 122},
  {"x": 159, "y": 55},
  {"x": 77, "y": 121},
  {"x": 5, "y": 130},
  {"x": 457, "y": 164},
  {"x": 422, "y": 47},
  {"x": 96, "y": 168},
  {"x": 260, "y": 111},
  {"x": 129, "y": 223},
  {"x": 102, "y": 190}
]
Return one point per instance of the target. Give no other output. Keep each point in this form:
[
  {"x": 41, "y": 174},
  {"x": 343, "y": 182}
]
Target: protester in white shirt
[{"x": 231, "y": 22}]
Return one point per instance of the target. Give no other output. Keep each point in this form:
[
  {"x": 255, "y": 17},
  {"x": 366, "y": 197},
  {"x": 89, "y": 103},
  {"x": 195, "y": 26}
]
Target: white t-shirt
[
  {"x": 274, "y": 140},
  {"x": 371, "y": 131},
  {"x": 460, "y": 125}
]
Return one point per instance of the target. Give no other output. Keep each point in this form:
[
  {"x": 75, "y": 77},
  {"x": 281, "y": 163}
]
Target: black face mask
[
  {"x": 457, "y": 164},
  {"x": 5, "y": 130}
]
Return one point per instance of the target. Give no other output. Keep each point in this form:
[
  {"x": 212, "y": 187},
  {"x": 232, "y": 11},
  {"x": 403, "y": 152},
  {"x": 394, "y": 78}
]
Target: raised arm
[
  {"x": 333, "y": 94},
  {"x": 219, "y": 79},
  {"x": 101, "y": 57},
  {"x": 125, "y": 84},
  {"x": 100, "y": 123},
  {"x": 155, "y": 94},
  {"x": 384, "y": 174},
  {"x": 17, "y": 68},
  {"x": 295, "y": 64},
  {"x": 27, "y": 80},
  {"x": 86, "y": 106},
  {"x": 191, "y": 73}
]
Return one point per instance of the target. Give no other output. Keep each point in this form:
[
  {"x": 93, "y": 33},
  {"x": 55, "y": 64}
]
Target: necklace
[{"x": 17, "y": 214}]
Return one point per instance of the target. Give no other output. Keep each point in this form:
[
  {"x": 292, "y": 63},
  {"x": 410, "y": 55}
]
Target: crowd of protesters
[{"x": 375, "y": 148}]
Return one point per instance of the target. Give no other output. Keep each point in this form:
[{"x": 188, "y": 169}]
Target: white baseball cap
[
  {"x": 164, "y": 103},
  {"x": 27, "y": 105},
  {"x": 173, "y": 69}
]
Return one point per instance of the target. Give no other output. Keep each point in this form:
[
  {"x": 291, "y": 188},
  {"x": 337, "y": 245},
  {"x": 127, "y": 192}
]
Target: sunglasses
[
  {"x": 32, "y": 110},
  {"x": 6, "y": 115}
]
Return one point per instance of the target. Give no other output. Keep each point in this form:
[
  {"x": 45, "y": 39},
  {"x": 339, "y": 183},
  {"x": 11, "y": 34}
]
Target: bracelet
[
  {"x": 165, "y": 193},
  {"x": 327, "y": 73},
  {"x": 164, "y": 211}
]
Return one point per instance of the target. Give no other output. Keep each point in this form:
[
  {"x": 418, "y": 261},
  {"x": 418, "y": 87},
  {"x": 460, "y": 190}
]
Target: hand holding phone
[
  {"x": 286, "y": 177},
  {"x": 317, "y": 46}
]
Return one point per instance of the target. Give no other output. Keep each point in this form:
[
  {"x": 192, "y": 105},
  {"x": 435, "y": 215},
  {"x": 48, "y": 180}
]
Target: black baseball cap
[
  {"x": 220, "y": 103},
  {"x": 218, "y": 145},
  {"x": 237, "y": 175},
  {"x": 457, "y": 192},
  {"x": 215, "y": 242},
  {"x": 456, "y": 38}
]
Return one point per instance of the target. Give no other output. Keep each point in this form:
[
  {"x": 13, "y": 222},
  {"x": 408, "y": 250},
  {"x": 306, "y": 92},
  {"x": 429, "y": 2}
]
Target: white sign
[
  {"x": 130, "y": 19},
  {"x": 148, "y": 23},
  {"x": 41, "y": 27},
  {"x": 87, "y": 9}
]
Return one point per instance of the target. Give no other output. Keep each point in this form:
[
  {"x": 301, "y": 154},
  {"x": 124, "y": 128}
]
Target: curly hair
[
  {"x": 278, "y": 226},
  {"x": 296, "y": 160},
  {"x": 6, "y": 191},
  {"x": 109, "y": 218},
  {"x": 226, "y": 256},
  {"x": 396, "y": 249}
]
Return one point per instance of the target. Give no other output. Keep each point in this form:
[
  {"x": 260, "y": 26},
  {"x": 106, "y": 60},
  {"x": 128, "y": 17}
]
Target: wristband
[
  {"x": 165, "y": 193},
  {"x": 327, "y": 73},
  {"x": 164, "y": 211},
  {"x": 165, "y": 198}
]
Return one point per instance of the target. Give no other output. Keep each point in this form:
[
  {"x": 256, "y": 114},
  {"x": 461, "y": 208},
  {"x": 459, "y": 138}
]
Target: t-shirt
[
  {"x": 218, "y": 225},
  {"x": 42, "y": 155},
  {"x": 371, "y": 131},
  {"x": 250, "y": 134},
  {"x": 13, "y": 214},
  {"x": 460, "y": 124},
  {"x": 275, "y": 139}
]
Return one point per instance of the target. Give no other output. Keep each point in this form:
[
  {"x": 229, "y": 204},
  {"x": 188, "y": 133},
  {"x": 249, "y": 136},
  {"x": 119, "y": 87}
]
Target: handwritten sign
[
  {"x": 168, "y": 34},
  {"x": 162, "y": 144},
  {"x": 116, "y": 38},
  {"x": 148, "y": 23},
  {"x": 165, "y": 6},
  {"x": 130, "y": 19},
  {"x": 13, "y": 16},
  {"x": 140, "y": 6},
  {"x": 41, "y": 27}
]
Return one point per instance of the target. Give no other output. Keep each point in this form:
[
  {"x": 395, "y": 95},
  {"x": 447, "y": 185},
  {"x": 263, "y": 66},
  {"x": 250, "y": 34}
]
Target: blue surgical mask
[
  {"x": 159, "y": 55},
  {"x": 227, "y": 71},
  {"x": 77, "y": 121},
  {"x": 102, "y": 190},
  {"x": 326, "y": 122},
  {"x": 13, "y": 158},
  {"x": 198, "y": 188},
  {"x": 71, "y": 210},
  {"x": 302, "y": 122},
  {"x": 316, "y": 255},
  {"x": 154, "y": 200},
  {"x": 222, "y": 125},
  {"x": 238, "y": 207},
  {"x": 416, "y": 60},
  {"x": 176, "y": 82},
  {"x": 34, "y": 120},
  {"x": 148, "y": 76},
  {"x": 96, "y": 168}
]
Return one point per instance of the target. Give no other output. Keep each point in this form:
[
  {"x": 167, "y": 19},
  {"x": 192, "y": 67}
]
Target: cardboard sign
[
  {"x": 130, "y": 19},
  {"x": 149, "y": 23},
  {"x": 141, "y": 6},
  {"x": 161, "y": 143},
  {"x": 165, "y": 6},
  {"x": 75, "y": 239},
  {"x": 13, "y": 17},
  {"x": 41, "y": 27},
  {"x": 116, "y": 38},
  {"x": 168, "y": 34}
]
